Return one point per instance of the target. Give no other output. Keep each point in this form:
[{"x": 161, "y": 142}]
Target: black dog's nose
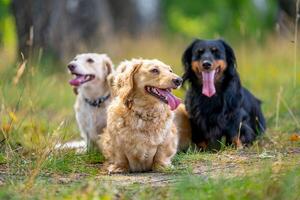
[
  {"x": 177, "y": 81},
  {"x": 71, "y": 67},
  {"x": 206, "y": 64}
]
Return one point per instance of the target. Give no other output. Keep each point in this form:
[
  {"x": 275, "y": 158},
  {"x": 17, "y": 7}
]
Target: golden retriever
[
  {"x": 90, "y": 82},
  {"x": 140, "y": 134}
]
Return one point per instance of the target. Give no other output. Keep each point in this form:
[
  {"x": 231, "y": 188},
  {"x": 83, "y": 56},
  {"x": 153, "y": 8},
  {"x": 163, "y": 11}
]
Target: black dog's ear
[
  {"x": 230, "y": 56},
  {"x": 230, "y": 59},
  {"x": 187, "y": 60}
]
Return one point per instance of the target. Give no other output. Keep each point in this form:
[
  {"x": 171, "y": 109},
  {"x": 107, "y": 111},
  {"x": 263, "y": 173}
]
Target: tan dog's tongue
[
  {"x": 173, "y": 101},
  {"x": 208, "y": 88}
]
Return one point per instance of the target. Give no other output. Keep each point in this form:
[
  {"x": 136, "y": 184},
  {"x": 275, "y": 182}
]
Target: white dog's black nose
[
  {"x": 71, "y": 67},
  {"x": 177, "y": 81}
]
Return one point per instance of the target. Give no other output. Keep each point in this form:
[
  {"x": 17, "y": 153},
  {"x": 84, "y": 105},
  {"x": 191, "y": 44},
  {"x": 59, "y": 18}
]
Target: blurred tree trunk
[
  {"x": 60, "y": 27},
  {"x": 134, "y": 17},
  {"x": 287, "y": 17},
  {"x": 66, "y": 27},
  {"x": 126, "y": 16}
]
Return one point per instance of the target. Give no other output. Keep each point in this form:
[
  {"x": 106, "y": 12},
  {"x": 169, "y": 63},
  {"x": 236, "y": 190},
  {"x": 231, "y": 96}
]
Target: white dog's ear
[
  {"x": 108, "y": 64},
  {"x": 111, "y": 81},
  {"x": 126, "y": 84}
]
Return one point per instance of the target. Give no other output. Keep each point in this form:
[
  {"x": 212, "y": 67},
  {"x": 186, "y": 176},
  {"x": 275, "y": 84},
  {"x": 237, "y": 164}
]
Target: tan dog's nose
[{"x": 177, "y": 81}]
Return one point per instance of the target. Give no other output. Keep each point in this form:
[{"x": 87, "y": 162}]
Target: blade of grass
[
  {"x": 290, "y": 112},
  {"x": 278, "y": 106},
  {"x": 296, "y": 42},
  {"x": 52, "y": 142}
]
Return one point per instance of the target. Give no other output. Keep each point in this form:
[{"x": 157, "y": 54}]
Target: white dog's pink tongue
[
  {"x": 208, "y": 88},
  {"x": 173, "y": 101},
  {"x": 77, "y": 81}
]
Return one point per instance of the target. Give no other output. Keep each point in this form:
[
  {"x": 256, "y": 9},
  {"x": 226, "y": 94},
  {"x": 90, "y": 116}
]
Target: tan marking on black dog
[{"x": 197, "y": 67}]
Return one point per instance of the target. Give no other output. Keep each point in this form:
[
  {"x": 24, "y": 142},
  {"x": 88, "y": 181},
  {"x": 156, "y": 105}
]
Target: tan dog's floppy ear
[{"x": 126, "y": 84}]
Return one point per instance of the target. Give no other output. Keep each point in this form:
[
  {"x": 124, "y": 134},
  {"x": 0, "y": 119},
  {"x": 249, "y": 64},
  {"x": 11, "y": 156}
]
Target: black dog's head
[{"x": 208, "y": 61}]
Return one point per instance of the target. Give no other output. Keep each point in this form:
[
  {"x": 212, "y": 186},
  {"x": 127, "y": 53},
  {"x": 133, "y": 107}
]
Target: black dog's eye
[
  {"x": 89, "y": 60},
  {"x": 214, "y": 50},
  {"x": 200, "y": 51},
  {"x": 154, "y": 71}
]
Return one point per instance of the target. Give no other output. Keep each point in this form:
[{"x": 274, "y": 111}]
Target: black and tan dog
[{"x": 217, "y": 104}]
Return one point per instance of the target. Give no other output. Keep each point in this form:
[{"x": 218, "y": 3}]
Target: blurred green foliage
[
  {"x": 4, "y": 4},
  {"x": 232, "y": 19},
  {"x": 4, "y": 13},
  {"x": 247, "y": 19},
  {"x": 7, "y": 27}
]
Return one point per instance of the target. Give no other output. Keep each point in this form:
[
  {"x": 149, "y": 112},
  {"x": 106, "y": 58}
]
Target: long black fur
[{"x": 221, "y": 115}]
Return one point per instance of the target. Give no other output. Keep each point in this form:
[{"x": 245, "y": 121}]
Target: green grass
[
  {"x": 264, "y": 185},
  {"x": 37, "y": 113}
]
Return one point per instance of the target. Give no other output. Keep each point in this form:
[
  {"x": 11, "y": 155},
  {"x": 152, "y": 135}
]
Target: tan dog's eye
[
  {"x": 154, "y": 71},
  {"x": 171, "y": 71},
  {"x": 89, "y": 60}
]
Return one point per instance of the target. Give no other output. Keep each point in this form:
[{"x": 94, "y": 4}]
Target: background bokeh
[
  {"x": 61, "y": 29},
  {"x": 39, "y": 37}
]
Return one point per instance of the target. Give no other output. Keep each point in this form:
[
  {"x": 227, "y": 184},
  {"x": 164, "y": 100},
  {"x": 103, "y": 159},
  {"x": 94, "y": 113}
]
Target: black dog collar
[{"x": 97, "y": 102}]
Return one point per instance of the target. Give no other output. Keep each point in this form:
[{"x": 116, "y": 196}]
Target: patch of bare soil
[
  {"x": 150, "y": 178},
  {"x": 226, "y": 165}
]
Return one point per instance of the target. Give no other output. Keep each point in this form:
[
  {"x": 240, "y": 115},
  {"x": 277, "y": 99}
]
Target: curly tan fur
[{"x": 140, "y": 133}]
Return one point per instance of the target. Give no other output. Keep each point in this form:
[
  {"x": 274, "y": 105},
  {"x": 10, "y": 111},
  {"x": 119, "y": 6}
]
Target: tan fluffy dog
[
  {"x": 90, "y": 82},
  {"x": 140, "y": 133}
]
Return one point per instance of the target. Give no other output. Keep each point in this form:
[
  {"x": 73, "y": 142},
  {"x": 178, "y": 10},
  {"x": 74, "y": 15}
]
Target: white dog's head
[{"x": 90, "y": 70}]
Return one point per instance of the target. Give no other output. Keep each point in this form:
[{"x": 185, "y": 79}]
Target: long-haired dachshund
[
  {"x": 140, "y": 134},
  {"x": 217, "y": 104}
]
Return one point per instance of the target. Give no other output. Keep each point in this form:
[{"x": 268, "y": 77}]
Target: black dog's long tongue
[{"x": 208, "y": 88}]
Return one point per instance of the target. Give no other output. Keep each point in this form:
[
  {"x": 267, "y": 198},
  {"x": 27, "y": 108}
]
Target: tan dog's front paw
[
  {"x": 161, "y": 167},
  {"x": 116, "y": 169}
]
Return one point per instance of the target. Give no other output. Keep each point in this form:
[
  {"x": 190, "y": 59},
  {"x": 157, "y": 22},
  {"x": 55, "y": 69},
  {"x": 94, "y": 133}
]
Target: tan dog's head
[
  {"x": 149, "y": 78},
  {"x": 90, "y": 69}
]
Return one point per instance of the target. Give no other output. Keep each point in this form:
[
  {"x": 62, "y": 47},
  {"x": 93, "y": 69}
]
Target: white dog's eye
[
  {"x": 154, "y": 71},
  {"x": 89, "y": 60}
]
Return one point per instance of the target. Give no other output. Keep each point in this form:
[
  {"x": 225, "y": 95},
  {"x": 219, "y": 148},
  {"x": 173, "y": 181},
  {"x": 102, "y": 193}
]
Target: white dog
[{"x": 91, "y": 85}]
